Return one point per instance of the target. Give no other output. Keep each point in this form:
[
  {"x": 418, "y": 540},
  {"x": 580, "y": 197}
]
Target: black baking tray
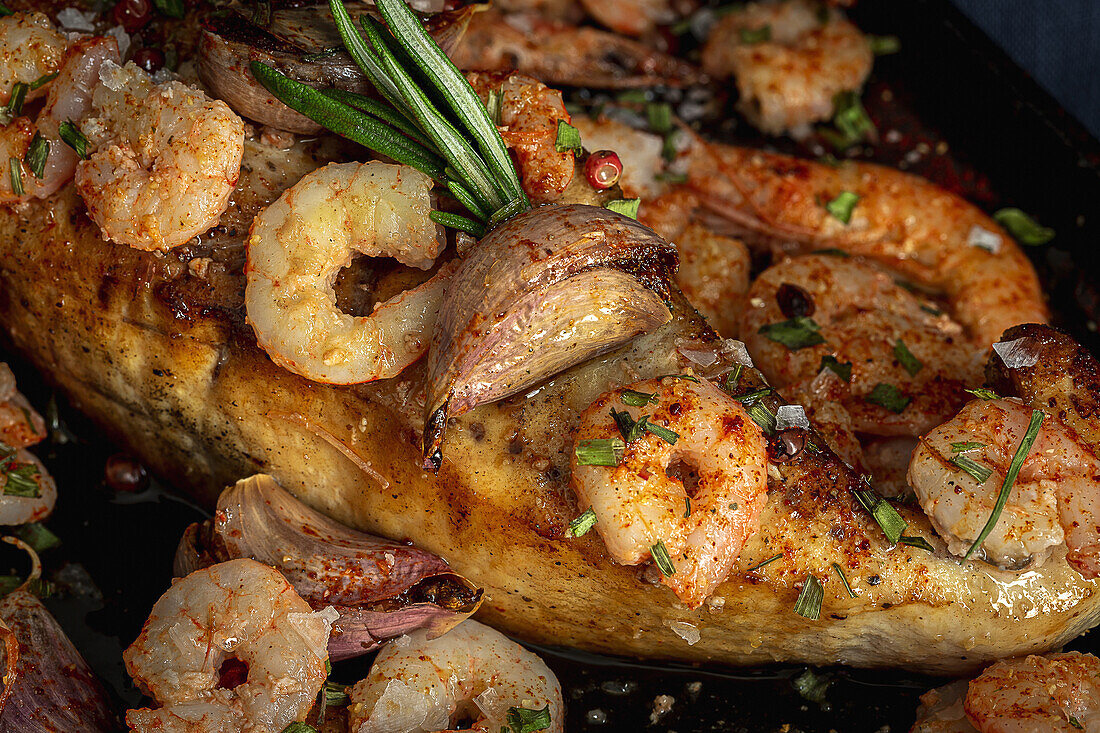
[{"x": 989, "y": 132}]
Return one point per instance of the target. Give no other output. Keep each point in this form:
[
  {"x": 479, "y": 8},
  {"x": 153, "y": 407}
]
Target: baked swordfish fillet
[{"x": 577, "y": 440}]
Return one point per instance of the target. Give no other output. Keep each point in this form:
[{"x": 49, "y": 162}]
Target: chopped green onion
[
  {"x": 809, "y": 600},
  {"x": 669, "y": 436},
  {"x": 14, "y": 106},
  {"x": 599, "y": 452},
  {"x": 756, "y": 35},
  {"x": 884, "y": 45},
  {"x": 659, "y": 117},
  {"x": 762, "y": 563},
  {"x": 883, "y": 512},
  {"x": 687, "y": 507},
  {"x": 916, "y": 541},
  {"x": 528, "y": 720},
  {"x": 37, "y": 536},
  {"x": 842, "y": 206},
  {"x": 965, "y": 446},
  {"x": 685, "y": 377},
  {"x": 626, "y": 207},
  {"x": 888, "y": 396},
  {"x": 661, "y": 559},
  {"x": 840, "y": 571},
  {"x": 171, "y": 8},
  {"x": 911, "y": 363},
  {"x": 1010, "y": 477},
  {"x": 796, "y": 333},
  {"x": 461, "y": 223},
  {"x": 1023, "y": 228},
  {"x": 16, "y": 171},
  {"x": 842, "y": 369},
  {"x": 629, "y": 428},
  {"x": 37, "y": 152},
  {"x": 21, "y": 482},
  {"x": 569, "y": 137},
  {"x": 637, "y": 399},
  {"x": 72, "y": 136},
  {"x": 750, "y": 397},
  {"x": 974, "y": 469},
  {"x": 42, "y": 81},
  {"x": 581, "y": 524},
  {"x": 334, "y": 692},
  {"x": 983, "y": 393},
  {"x": 851, "y": 121}
]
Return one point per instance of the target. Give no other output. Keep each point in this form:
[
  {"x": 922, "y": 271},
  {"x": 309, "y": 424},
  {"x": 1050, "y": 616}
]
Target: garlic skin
[
  {"x": 381, "y": 589},
  {"x": 546, "y": 290}
]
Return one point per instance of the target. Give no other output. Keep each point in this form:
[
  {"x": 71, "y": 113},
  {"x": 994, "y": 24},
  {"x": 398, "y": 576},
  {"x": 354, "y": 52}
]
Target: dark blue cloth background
[{"x": 1056, "y": 41}]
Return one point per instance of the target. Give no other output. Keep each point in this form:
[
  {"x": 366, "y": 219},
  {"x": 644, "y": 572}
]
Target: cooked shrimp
[
  {"x": 1052, "y": 500},
  {"x": 30, "y": 49},
  {"x": 789, "y": 58},
  {"x": 28, "y": 493},
  {"x": 238, "y": 609},
  {"x": 472, "y": 672},
  {"x": 714, "y": 275},
  {"x": 298, "y": 244},
  {"x": 863, "y": 314},
  {"x": 700, "y": 496},
  {"x": 69, "y": 98},
  {"x": 20, "y": 424},
  {"x": 630, "y": 17},
  {"x": 529, "y": 114},
  {"x": 163, "y": 159},
  {"x": 903, "y": 222},
  {"x": 1055, "y": 692}
]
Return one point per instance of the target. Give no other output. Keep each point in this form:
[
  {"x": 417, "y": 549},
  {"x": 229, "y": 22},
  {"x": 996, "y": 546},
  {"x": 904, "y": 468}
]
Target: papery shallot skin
[
  {"x": 382, "y": 589},
  {"x": 48, "y": 687}
]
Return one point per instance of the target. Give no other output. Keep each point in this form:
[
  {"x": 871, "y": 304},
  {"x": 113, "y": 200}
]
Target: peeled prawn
[
  {"x": 790, "y": 58},
  {"x": 30, "y": 49},
  {"x": 163, "y": 159},
  {"x": 27, "y": 491},
  {"x": 238, "y": 609},
  {"x": 20, "y": 425},
  {"x": 299, "y": 243},
  {"x": 699, "y": 497},
  {"x": 421, "y": 684},
  {"x": 1053, "y": 500}
]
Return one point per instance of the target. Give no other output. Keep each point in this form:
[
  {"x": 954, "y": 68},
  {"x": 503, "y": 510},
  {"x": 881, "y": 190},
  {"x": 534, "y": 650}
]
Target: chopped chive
[
  {"x": 669, "y": 436},
  {"x": 842, "y": 369},
  {"x": 685, "y": 377},
  {"x": 763, "y": 417},
  {"x": 581, "y": 525},
  {"x": 883, "y": 512},
  {"x": 16, "y": 171},
  {"x": 659, "y": 117},
  {"x": 21, "y": 482},
  {"x": 840, "y": 571},
  {"x": 762, "y": 563},
  {"x": 916, "y": 541},
  {"x": 884, "y": 45},
  {"x": 599, "y": 452},
  {"x": 1010, "y": 477},
  {"x": 72, "y": 136},
  {"x": 637, "y": 399},
  {"x": 42, "y": 81},
  {"x": 850, "y": 120},
  {"x": 37, "y": 536},
  {"x": 911, "y": 363},
  {"x": 756, "y": 35},
  {"x": 842, "y": 206},
  {"x": 629, "y": 428},
  {"x": 461, "y": 223},
  {"x": 661, "y": 559},
  {"x": 983, "y": 393},
  {"x": 733, "y": 377},
  {"x": 795, "y": 333},
  {"x": 626, "y": 207},
  {"x": 750, "y": 397},
  {"x": 37, "y": 153},
  {"x": 888, "y": 396},
  {"x": 528, "y": 720},
  {"x": 18, "y": 96},
  {"x": 809, "y": 600},
  {"x": 569, "y": 137},
  {"x": 687, "y": 507},
  {"x": 670, "y": 149},
  {"x": 1023, "y": 228},
  {"x": 335, "y": 693},
  {"x": 965, "y": 446}
]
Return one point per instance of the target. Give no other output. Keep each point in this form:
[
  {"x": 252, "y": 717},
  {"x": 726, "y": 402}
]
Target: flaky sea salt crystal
[
  {"x": 71, "y": 19},
  {"x": 791, "y": 416},
  {"x": 122, "y": 38},
  {"x": 985, "y": 239},
  {"x": 1017, "y": 354},
  {"x": 687, "y": 632}
]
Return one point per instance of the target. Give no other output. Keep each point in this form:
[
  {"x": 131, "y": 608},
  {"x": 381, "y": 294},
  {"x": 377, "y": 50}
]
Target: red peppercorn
[
  {"x": 603, "y": 169},
  {"x": 123, "y": 473},
  {"x": 132, "y": 15},
  {"x": 233, "y": 673},
  {"x": 149, "y": 59}
]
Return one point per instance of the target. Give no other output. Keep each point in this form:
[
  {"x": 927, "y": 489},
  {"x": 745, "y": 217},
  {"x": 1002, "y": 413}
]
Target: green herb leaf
[
  {"x": 569, "y": 138},
  {"x": 637, "y": 399},
  {"x": 842, "y": 369},
  {"x": 983, "y": 393},
  {"x": 796, "y": 333},
  {"x": 911, "y": 363},
  {"x": 659, "y": 117},
  {"x": 15, "y": 168},
  {"x": 840, "y": 571},
  {"x": 762, "y": 563},
  {"x": 580, "y": 526},
  {"x": 883, "y": 512},
  {"x": 916, "y": 541},
  {"x": 661, "y": 559},
  {"x": 37, "y": 536},
  {"x": 809, "y": 600},
  {"x": 842, "y": 206},
  {"x": 965, "y": 446},
  {"x": 626, "y": 207},
  {"x": 72, "y": 136},
  {"x": 1023, "y": 228},
  {"x": 756, "y": 35},
  {"x": 884, "y": 45},
  {"x": 1010, "y": 478},
  {"x": 888, "y": 396},
  {"x": 527, "y": 720},
  {"x": 171, "y": 8},
  {"x": 599, "y": 452},
  {"x": 36, "y": 155}
]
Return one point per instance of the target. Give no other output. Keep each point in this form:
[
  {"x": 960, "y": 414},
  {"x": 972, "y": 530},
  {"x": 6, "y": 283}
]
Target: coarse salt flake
[
  {"x": 71, "y": 19},
  {"x": 687, "y": 632},
  {"x": 791, "y": 416},
  {"x": 1017, "y": 354},
  {"x": 984, "y": 239}
]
